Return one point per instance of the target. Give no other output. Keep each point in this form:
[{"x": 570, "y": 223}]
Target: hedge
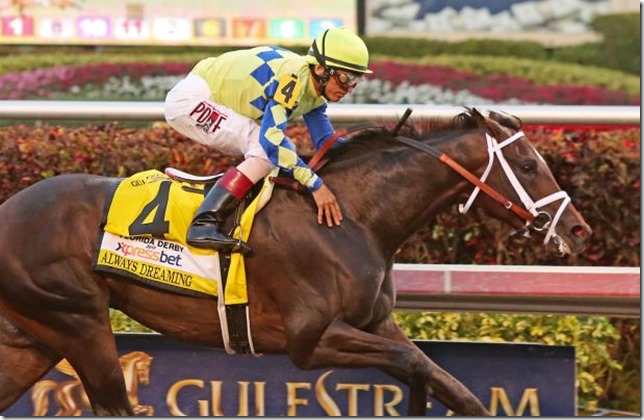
[
  {"x": 619, "y": 48},
  {"x": 599, "y": 169}
]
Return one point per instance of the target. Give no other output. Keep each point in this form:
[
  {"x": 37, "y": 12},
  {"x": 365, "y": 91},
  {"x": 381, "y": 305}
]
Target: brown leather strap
[
  {"x": 519, "y": 211},
  {"x": 316, "y": 161},
  {"x": 424, "y": 147},
  {"x": 288, "y": 182},
  {"x": 322, "y": 150}
]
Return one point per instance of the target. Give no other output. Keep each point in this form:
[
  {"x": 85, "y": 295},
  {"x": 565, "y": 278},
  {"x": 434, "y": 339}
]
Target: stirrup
[
  {"x": 229, "y": 244},
  {"x": 242, "y": 248},
  {"x": 238, "y": 247}
]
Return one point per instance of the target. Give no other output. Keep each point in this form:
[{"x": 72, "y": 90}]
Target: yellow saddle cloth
[{"x": 143, "y": 238}]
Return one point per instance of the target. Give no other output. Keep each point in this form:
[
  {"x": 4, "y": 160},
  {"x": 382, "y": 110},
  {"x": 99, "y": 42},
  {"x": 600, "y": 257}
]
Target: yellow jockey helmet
[{"x": 340, "y": 48}]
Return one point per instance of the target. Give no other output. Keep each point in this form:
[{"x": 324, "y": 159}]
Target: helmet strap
[
  {"x": 321, "y": 57},
  {"x": 322, "y": 81}
]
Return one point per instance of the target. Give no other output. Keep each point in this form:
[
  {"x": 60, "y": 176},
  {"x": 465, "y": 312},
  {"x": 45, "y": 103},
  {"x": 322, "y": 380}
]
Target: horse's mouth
[
  {"x": 562, "y": 247},
  {"x": 559, "y": 246}
]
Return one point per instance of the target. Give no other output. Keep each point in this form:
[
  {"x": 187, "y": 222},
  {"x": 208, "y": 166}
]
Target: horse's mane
[{"x": 379, "y": 136}]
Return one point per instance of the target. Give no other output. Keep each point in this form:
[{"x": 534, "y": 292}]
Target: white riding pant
[{"x": 189, "y": 110}]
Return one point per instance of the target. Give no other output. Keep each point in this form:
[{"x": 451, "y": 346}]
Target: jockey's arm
[
  {"x": 280, "y": 149},
  {"x": 319, "y": 126},
  {"x": 282, "y": 152}
]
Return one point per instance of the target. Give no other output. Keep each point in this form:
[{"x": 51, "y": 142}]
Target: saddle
[
  {"x": 193, "y": 179},
  {"x": 143, "y": 239}
]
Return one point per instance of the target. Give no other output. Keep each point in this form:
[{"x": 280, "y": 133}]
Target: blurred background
[{"x": 431, "y": 52}]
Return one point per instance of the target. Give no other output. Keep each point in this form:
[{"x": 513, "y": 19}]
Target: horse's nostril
[{"x": 578, "y": 231}]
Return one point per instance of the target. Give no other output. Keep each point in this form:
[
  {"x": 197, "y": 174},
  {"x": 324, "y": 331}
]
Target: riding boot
[{"x": 222, "y": 199}]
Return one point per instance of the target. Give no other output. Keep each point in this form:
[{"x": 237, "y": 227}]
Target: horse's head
[
  {"x": 497, "y": 156},
  {"x": 517, "y": 171}
]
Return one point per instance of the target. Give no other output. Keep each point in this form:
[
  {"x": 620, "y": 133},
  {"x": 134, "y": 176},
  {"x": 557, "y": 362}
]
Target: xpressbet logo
[{"x": 148, "y": 254}]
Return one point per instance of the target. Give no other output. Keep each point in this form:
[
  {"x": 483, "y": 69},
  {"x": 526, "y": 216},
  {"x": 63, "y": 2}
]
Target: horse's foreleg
[
  {"x": 443, "y": 386},
  {"x": 344, "y": 346},
  {"x": 23, "y": 361}
]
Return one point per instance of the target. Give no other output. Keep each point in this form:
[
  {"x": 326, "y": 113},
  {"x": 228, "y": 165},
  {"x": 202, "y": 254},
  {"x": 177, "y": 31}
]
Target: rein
[
  {"x": 535, "y": 219},
  {"x": 316, "y": 161},
  {"x": 522, "y": 213}
]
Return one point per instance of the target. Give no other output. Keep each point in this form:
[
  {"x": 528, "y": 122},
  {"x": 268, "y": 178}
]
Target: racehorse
[
  {"x": 322, "y": 295},
  {"x": 72, "y": 398}
]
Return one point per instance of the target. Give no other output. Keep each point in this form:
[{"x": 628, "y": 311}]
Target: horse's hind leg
[
  {"x": 79, "y": 330},
  {"x": 23, "y": 362},
  {"x": 101, "y": 373},
  {"x": 91, "y": 351}
]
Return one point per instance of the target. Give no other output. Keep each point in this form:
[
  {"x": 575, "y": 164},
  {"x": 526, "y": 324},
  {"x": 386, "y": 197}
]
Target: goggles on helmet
[{"x": 344, "y": 79}]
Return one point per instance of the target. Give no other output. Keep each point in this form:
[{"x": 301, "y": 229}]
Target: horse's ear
[
  {"x": 479, "y": 119},
  {"x": 488, "y": 124},
  {"x": 507, "y": 120}
]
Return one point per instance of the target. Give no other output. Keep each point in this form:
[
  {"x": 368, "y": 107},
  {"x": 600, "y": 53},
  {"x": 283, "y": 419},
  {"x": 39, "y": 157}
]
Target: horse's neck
[{"x": 397, "y": 194}]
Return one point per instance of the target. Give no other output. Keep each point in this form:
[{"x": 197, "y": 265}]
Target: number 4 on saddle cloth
[{"x": 143, "y": 239}]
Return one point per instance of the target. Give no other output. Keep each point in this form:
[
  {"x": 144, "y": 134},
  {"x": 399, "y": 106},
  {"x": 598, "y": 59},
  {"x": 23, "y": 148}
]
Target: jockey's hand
[{"x": 328, "y": 207}]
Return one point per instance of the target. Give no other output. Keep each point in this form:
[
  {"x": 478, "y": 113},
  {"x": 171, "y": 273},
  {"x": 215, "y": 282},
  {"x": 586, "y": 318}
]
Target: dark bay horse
[{"x": 322, "y": 295}]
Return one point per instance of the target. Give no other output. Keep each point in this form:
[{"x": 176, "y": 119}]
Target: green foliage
[
  {"x": 582, "y": 54},
  {"x": 601, "y": 64},
  {"x": 122, "y": 323},
  {"x": 624, "y": 388},
  {"x": 619, "y": 50},
  {"x": 419, "y": 47},
  {"x": 33, "y": 60},
  {"x": 28, "y": 154},
  {"x": 540, "y": 72},
  {"x": 592, "y": 337}
]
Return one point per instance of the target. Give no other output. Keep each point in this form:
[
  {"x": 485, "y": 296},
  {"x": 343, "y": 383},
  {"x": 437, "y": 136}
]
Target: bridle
[
  {"x": 536, "y": 219},
  {"x": 541, "y": 219}
]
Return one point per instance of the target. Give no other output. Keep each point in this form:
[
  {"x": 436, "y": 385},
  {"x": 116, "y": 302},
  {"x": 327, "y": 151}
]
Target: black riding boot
[{"x": 219, "y": 203}]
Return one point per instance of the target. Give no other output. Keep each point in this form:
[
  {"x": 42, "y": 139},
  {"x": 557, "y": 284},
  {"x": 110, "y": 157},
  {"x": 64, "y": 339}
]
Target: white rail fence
[
  {"x": 613, "y": 291},
  {"x": 339, "y": 113}
]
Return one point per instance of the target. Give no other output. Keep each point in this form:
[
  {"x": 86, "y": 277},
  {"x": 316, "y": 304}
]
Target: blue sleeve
[{"x": 319, "y": 126}]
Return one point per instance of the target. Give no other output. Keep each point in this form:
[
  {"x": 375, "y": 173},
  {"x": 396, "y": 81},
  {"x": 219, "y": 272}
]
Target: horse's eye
[{"x": 528, "y": 167}]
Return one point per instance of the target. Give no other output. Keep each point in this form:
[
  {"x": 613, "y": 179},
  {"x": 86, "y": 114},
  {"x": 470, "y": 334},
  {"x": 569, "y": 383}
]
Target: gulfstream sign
[{"x": 165, "y": 378}]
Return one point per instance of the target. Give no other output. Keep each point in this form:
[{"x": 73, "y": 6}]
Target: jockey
[{"x": 239, "y": 103}]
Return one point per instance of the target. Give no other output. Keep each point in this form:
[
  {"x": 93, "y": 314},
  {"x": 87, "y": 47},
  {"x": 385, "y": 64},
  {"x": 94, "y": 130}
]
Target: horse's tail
[{"x": 40, "y": 396}]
